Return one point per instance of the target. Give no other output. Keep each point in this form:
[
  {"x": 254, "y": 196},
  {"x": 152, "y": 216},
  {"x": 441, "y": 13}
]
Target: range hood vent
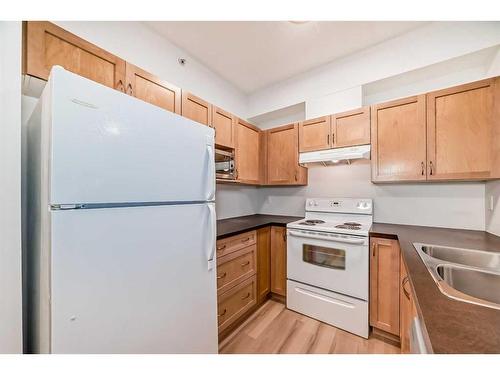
[{"x": 335, "y": 155}]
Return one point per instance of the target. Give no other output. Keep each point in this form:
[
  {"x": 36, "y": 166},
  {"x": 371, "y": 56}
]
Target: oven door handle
[{"x": 327, "y": 238}]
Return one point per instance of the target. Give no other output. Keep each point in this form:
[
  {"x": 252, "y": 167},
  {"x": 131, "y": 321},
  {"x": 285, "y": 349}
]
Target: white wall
[
  {"x": 429, "y": 44},
  {"x": 459, "y": 205},
  {"x": 336, "y": 102},
  {"x": 10, "y": 182},
  {"x": 232, "y": 200},
  {"x": 139, "y": 44}
]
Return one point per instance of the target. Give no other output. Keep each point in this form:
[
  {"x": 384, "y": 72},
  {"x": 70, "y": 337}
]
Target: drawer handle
[
  {"x": 403, "y": 284},
  {"x": 223, "y": 313},
  {"x": 221, "y": 247},
  {"x": 248, "y": 295},
  {"x": 245, "y": 264},
  {"x": 246, "y": 239},
  {"x": 221, "y": 276}
]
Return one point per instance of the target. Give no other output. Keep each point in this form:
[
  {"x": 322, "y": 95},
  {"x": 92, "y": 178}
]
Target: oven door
[{"x": 330, "y": 261}]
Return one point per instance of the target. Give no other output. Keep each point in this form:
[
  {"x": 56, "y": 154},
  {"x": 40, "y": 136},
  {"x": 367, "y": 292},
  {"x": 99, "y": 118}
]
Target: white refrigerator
[{"x": 121, "y": 225}]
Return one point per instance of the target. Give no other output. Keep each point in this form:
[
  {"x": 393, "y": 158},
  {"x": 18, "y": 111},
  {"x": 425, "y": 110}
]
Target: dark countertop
[
  {"x": 240, "y": 224},
  {"x": 452, "y": 326}
]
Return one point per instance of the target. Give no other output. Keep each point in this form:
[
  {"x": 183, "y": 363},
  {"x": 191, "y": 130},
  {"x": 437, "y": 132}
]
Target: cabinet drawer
[
  {"x": 231, "y": 244},
  {"x": 235, "y": 302},
  {"x": 235, "y": 267}
]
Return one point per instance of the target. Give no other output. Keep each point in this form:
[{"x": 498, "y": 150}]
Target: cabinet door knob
[
  {"x": 423, "y": 168},
  {"x": 221, "y": 247},
  {"x": 245, "y": 297},
  {"x": 431, "y": 166},
  {"x": 373, "y": 249},
  {"x": 403, "y": 283},
  {"x": 245, "y": 264},
  {"x": 221, "y": 276},
  {"x": 222, "y": 313},
  {"x": 129, "y": 89},
  {"x": 119, "y": 86}
]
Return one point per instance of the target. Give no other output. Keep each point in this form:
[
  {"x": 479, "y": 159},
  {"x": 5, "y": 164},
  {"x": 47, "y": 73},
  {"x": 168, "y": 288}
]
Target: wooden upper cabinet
[
  {"x": 46, "y": 45},
  {"x": 151, "y": 89},
  {"x": 224, "y": 124},
  {"x": 384, "y": 285},
  {"x": 315, "y": 134},
  {"x": 283, "y": 156},
  {"x": 278, "y": 260},
  {"x": 351, "y": 128},
  {"x": 462, "y": 132},
  {"x": 196, "y": 109},
  {"x": 248, "y": 152},
  {"x": 398, "y": 134}
]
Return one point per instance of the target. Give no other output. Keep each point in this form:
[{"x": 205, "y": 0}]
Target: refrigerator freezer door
[
  {"x": 133, "y": 280},
  {"x": 108, "y": 147}
]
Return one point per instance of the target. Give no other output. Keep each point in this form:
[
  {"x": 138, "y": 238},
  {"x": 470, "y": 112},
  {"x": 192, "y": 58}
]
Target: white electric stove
[{"x": 328, "y": 262}]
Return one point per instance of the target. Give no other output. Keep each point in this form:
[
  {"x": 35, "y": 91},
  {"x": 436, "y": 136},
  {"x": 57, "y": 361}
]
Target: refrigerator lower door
[
  {"x": 108, "y": 147},
  {"x": 133, "y": 280}
]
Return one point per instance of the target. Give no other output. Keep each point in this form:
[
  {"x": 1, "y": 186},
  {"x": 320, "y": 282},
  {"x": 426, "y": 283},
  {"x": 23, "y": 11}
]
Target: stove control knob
[
  {"x": 315, "y": 203},
  {"x": 310, "y": 203}
]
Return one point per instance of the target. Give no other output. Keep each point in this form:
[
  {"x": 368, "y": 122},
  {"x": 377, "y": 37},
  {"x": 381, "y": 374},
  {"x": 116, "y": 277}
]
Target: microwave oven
[{"x": 224, "y": 164}]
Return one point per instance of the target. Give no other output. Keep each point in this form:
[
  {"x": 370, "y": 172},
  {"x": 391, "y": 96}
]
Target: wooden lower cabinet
[
  {"x": 278, "y": 260},
  {"x": 263, "y": 263},
  {"x": 235, "y": 302},
  {"x": 384, "y": 285},
  {"x": 407, "y": 309},
  {"x": 233, "y": 268}
]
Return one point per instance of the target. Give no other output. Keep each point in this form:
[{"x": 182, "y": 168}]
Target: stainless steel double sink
[{"x": 466, "y": 275}]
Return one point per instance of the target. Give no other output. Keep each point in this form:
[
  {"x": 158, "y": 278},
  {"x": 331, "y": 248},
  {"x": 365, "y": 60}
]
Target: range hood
[{"x": 335, "y": 155}]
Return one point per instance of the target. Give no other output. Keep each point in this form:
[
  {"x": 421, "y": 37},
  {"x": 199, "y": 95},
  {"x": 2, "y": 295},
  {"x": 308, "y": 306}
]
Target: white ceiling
[{"x": 253, "y": 55}]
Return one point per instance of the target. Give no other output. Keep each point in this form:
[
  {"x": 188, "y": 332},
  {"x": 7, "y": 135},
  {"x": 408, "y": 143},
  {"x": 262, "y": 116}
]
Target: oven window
[{"x": 324, "y": 256}]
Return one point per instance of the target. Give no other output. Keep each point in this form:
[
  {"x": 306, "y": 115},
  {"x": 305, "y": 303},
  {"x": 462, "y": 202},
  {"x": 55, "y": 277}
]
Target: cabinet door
[
  {"x": 278, "y": 260},
  {"x": 398, "y": 138},
  {"x": 247, "y": 153},
  {"x": 196, "y": 109},
  {"x": 151, "y": 89},
  {"x": 351, "y": 128},
  {"x": 263, "y": 263},
  {"x": 283, "y": 156},
  {"x": 407, "y": 309},
  {"x": 314, "y": 134},
  {"x": 46, "y": 45},
  {"x": 224, "y": 124},
  {"x": 384, "y": 285},
  {"x": 460, "y": 131}
]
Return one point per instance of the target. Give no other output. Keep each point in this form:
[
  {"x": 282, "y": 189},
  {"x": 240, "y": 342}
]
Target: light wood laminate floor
[{"x": 274, "y": 329}]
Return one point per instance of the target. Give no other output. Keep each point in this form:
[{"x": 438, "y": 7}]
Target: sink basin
[
  {"x": 483, "y": 285},
  {"x": 467, "y": 275},
  {"x": 473, "y": 258}
]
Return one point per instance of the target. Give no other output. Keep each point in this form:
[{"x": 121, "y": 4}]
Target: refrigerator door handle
[
  {"x": 213, "y": 226},
  {"x": 211, "y": 169}
]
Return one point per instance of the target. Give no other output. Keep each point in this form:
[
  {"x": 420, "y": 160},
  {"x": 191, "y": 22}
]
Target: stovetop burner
[
  {"x": 315, "y": 221},
  {"x": 352, "y": 223},
  {"x": 348, "y": 226},
  {"x": 311, "y": 222}
]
